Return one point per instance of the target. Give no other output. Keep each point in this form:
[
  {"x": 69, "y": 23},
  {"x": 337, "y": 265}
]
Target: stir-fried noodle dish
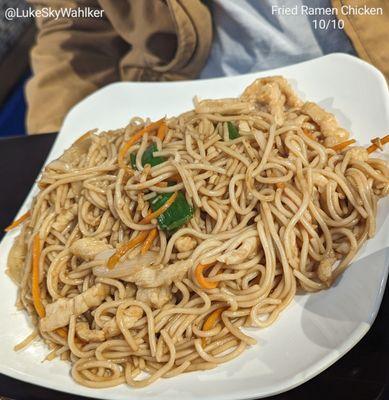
[{"x": 149, "y": 249}]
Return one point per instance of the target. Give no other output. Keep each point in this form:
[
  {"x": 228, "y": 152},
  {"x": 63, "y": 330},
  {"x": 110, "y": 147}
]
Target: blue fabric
[
  {"x": 249, "y": 37},
  {"x": 13, "y": 112}
]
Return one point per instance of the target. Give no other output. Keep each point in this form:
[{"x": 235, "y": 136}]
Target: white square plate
[{"x": 315, "y": 330}]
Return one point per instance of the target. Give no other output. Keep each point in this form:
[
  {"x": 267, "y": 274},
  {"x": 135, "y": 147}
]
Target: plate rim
[{"x": 313, "y": 369}]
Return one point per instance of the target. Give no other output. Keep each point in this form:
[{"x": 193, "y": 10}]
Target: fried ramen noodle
[{"x": 275, "y": 208}]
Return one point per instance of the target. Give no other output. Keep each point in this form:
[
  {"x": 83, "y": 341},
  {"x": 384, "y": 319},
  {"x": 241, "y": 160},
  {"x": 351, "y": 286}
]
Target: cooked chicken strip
[
  {"x": 58, "y": 313},
  {"x": 64, "y": 218},
  {"x": 328, "y": 124},
  {"x": 223, "y": 106},
  {"x": 357, "y": 153},
  {"x": 158, "y": 275},
  {"x": 16, "y": 258},
  {"x": 273, "y": 92},
  {"x": 185, "y": 243},
  {"x": 324, "y": 270},
  {"x": 72, "y": 155},
  {"x": 255, "y": 88},
  {"x": 154, "y": 297},
  {"x": 88, "y": 248}
]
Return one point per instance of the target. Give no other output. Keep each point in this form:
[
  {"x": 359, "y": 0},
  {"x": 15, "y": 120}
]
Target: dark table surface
[{"x": 362, "y": 374}]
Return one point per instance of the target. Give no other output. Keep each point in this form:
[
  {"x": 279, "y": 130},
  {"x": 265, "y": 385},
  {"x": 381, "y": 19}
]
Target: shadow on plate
[{"x": 330, "y": 316}]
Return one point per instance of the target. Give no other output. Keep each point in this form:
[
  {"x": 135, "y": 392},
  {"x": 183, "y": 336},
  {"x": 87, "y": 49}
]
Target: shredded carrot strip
[
  {"x": 176, "y": 177},
  {"x": 211, "y": 321},
  {"x": 160, "y": 210},
  {"x": 149, "y": 241},
  {"x": 83, "y": 137},
  {"x": 374, "y": 146},
  {"x": 63, "y": 332},
  {"x": 36, "y": 296},
  {"x": 202, "y": 281},
  {"x": 162, "y": 131},
  {"x": 343, "y": 145},
  {"x": 280, "y": 185},
  {"x": 126, "y": 146},
  {"x": 309, "y": 134},
  {"x": 161, "y": 184},
  {"x": 114, "y": 259},
  {"x": 18, "y": 221}
]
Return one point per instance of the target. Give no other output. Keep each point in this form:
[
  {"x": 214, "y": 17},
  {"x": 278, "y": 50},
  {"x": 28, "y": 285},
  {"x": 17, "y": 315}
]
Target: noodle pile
[{"x": 275, "y": 200}]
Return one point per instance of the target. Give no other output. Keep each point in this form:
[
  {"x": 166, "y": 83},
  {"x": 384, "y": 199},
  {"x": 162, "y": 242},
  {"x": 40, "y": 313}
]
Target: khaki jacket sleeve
[
  {"x": 170, "y": 39},
  {"x": 135, "y": 40},
  {"x": 72, "y": 57},
  {"x": 368, "y": 33}
]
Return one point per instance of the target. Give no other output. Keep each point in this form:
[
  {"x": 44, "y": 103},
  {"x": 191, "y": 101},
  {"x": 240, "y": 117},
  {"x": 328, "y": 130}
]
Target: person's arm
[
  {"x": 368, "y": 33},
  {"x": 72, "y": 58}
]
